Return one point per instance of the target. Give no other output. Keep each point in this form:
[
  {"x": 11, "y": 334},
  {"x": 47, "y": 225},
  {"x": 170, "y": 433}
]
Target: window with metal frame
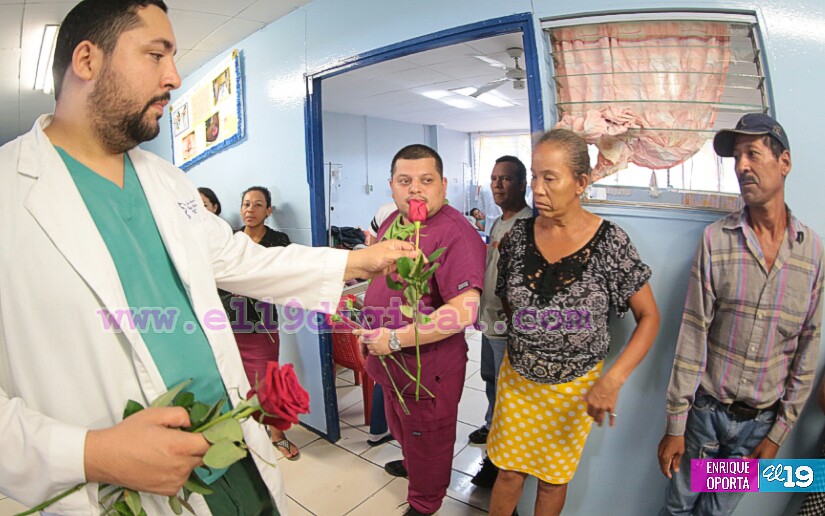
[{"x": 648, "y": 91}]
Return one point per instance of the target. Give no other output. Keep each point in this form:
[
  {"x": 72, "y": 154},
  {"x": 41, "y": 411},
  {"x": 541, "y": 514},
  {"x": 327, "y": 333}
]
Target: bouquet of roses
[
  {"x": 277, "y": 399},
  {"x": 413, "y": 277}
]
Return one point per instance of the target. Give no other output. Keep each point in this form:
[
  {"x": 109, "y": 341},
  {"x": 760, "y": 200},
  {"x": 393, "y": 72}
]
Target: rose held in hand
[
  {"x": 418, "y": 211},
  {"x": 281, "y": 396}
]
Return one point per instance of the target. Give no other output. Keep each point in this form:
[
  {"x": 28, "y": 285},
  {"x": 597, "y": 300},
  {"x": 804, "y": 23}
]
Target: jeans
[
  {"x": 713, "y": 433},
  {"x": 492, "y": 354},
  {"x": 378, "y": 419}
]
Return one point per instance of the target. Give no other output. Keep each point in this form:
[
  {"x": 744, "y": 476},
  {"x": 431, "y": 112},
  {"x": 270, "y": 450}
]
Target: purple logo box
[{"x": 724, "y": 475}]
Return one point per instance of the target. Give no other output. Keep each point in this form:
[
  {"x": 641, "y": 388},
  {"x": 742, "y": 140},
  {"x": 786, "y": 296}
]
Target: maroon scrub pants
[{"x": 427, "y": 436}]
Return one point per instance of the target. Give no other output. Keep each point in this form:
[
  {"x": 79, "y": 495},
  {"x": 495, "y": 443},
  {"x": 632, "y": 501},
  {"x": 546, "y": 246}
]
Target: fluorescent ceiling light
[
  {"x": 465, "y": 91},
  {"x": 44, "y": 79},
  {"x": 458, "y": 102},
  {"x": 489, "y": 98},
  {"x": 436, "y": 94},
  {"x": 492, "y": 62}
]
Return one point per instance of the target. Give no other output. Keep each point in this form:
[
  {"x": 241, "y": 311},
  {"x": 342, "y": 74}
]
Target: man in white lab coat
[{"x": 93, "y": 228}]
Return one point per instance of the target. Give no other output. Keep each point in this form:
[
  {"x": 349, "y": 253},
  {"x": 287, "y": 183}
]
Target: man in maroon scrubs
[{"x": 427, "y": 434}]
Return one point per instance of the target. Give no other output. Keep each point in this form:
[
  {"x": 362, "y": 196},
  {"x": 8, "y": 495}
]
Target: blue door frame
[{"x": 315, "y": 151}]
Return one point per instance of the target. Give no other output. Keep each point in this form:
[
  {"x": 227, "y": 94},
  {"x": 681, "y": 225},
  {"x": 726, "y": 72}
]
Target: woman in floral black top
[{"x": 559, "y": 276}]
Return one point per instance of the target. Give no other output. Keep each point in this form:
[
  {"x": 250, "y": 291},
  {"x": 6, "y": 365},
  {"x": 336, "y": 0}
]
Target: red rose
[
  {"x": 418, "y": 211},
  {"x": 281, "y": 396}
]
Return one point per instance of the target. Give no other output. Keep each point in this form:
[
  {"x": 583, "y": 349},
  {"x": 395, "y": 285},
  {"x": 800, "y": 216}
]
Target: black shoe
[
  {"x": 396, "y": 468},
  {"x": 479, "y": 435},
  {"x": 378, "y": 442},
  {"x": 487, "y": 475},
  {"x": 412, "y": 511}
]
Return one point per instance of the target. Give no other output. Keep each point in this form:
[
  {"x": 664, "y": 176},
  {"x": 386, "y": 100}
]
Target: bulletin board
[{"x": 208, "y": 117}]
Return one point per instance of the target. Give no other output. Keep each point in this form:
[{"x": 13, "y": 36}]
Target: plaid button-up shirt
[{"x": 749, "y": 334}]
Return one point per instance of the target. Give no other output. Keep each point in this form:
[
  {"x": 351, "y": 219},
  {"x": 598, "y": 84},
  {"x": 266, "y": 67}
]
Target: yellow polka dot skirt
[{"x": 540, "y": 429}]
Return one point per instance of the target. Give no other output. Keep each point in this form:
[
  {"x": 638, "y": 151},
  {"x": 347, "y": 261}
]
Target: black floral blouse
[{"x": 558, "y": 331}]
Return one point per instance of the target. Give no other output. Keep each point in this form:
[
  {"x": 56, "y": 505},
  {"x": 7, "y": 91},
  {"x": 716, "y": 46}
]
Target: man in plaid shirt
[{"x": 748, "y": 345}]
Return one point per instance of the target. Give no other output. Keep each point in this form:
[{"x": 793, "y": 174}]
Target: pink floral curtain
[{"x": 642, "y": 92}]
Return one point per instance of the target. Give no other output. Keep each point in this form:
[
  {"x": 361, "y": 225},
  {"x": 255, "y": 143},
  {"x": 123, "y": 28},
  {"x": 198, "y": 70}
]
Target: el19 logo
[
  {"x": 804, "y": 475},
  {"x": 791, "y": 475}
]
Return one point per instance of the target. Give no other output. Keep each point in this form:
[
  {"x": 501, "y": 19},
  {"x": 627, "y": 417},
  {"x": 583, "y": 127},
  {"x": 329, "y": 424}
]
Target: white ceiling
[
  {"x": 394, "y": 89},
  {"x": 203, "y": 29}
]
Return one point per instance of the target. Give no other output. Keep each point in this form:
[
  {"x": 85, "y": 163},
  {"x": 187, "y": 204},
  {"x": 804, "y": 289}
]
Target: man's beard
[{"x": 117, "y": 123}]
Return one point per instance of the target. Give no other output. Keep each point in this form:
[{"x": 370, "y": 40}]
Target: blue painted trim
[
  {"x": 328, "y": 382},
  {"x": 315, "y": 163},
  {"x": 236, "y": 138},
  {"x": 531, "y": 64},
  {"x": 523, "y": 22},
  {"x": 452, "y": 36},
  {"x": 318, "y": 217}
]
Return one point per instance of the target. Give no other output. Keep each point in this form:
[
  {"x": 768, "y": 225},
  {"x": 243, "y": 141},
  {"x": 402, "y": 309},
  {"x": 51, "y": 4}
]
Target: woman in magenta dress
[{"x": 254, "y": 322}]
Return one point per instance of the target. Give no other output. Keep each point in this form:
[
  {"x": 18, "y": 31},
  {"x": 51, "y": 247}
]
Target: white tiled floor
[{"x": 348, "y": 477}]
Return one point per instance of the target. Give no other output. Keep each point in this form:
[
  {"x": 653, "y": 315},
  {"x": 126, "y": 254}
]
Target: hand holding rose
[{"x": 378, "y": 260}]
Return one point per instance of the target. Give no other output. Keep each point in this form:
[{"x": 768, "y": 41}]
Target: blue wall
[
  {"x": 454, "y": 148},
  {"x": 364, "y": 146},
  {"x": 619, "y": 468}
]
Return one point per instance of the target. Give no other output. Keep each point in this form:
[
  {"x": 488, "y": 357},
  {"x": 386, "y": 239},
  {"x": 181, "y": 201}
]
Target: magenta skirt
[{"x": 256, "y": 350}]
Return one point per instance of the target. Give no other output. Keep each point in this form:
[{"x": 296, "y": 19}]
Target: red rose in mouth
[{"x": 418, "y": 211}]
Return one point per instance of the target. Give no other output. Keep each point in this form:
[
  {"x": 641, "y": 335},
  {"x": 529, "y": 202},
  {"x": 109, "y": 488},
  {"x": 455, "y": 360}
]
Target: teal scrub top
[{"x": 160, "y": 307}]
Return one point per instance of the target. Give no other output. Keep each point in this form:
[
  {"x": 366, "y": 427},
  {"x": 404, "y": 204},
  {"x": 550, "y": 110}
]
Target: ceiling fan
[{"x": 515, "y": 74}]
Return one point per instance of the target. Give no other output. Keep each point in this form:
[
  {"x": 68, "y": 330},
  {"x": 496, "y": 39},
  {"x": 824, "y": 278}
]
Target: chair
[{"x": 346, "y": 352}]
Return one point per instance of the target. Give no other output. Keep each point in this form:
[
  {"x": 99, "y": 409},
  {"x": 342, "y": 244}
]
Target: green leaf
[
  {"x": 186, "y": 505},
  {"x": 411, "y": 295},
  {"x": 185, "y": 400},
  {"x": 429, "y": 272},
  {"x": 395, "y": 285},
  {"x": 424, "y": 319},
  {"x": 133, "y": 501},
  {"x": 405, "y": 266},
  {"x": 335, "y": 318},
  {"x": 229, "y": 430},
  {"x": 407, "y": 311},
  {"x": 165, "y": 399},
  {"x": 197, "y": 413},
  {"x": 174, "y": 504},
  {"x": 417, "y": 266},
  {"x": 123, "y": 509},
  {"x": 223, "y": 454},
  {"x": 132, "y": 407},
  {"x": 213, "y": 412},
  {"x": 433, "y": 257}
]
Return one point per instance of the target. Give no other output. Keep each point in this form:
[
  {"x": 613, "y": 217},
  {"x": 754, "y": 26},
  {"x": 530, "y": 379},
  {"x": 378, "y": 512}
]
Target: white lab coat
[{"x": 61, "y": 372}]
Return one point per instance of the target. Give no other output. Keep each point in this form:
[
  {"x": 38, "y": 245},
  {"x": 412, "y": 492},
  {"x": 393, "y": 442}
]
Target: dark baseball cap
[{"x": 752, "y": 123}]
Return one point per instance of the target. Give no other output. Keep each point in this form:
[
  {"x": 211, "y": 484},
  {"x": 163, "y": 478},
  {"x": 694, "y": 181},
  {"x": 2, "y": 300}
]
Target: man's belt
[{"x": 745, "y": 411}]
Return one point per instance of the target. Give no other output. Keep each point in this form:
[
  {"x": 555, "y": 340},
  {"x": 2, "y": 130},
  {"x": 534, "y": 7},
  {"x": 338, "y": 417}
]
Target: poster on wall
[{"x": 208, "y": 117}]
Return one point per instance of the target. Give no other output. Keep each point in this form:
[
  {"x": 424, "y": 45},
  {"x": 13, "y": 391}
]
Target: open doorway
[
  {"x": 446, "y": 90},
  {"x": 444, "y": 98}
]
